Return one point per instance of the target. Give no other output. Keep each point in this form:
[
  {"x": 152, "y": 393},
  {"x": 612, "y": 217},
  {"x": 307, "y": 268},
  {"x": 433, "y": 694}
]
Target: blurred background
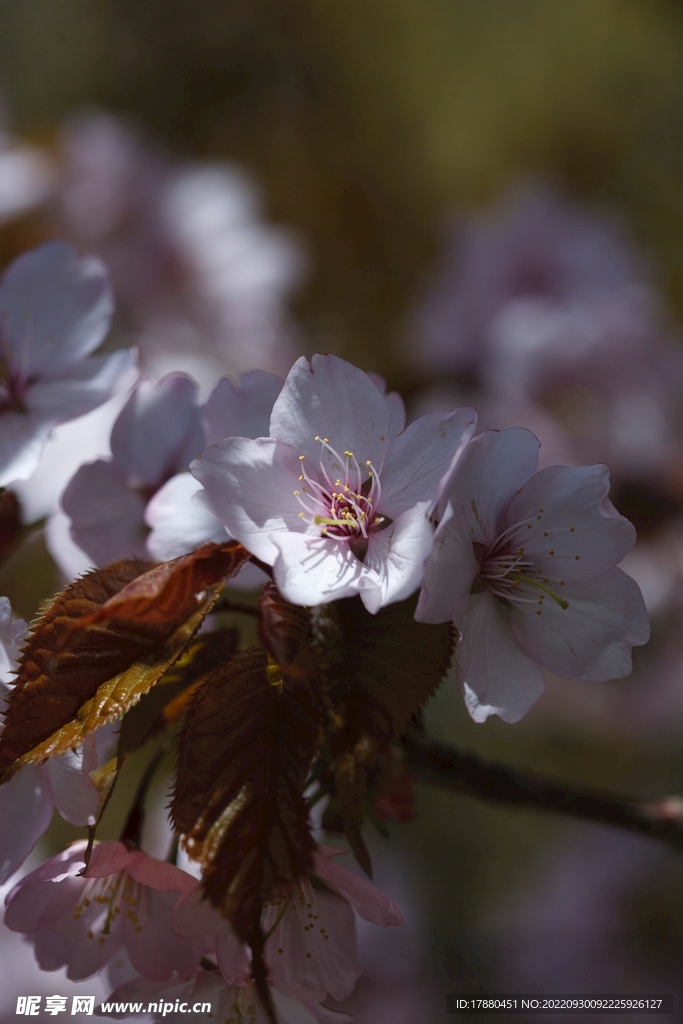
[{"x": 482, "y": 202}]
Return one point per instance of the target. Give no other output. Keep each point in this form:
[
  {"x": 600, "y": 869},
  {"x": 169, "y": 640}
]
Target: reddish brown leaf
[
  {"x": 283, "y": 631},
  {"x": 249, "y": 738},
  {"x": 164, "y": 704},
  {"x": 394, "y": 665},
  {"x": 169, "y": 593},
  {"x": 378, "y": 670},
  {"x": 102, "y": 644}
]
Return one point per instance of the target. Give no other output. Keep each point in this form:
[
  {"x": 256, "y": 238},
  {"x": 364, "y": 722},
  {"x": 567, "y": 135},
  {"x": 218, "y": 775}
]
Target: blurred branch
[{"x": 440, "y": 765}]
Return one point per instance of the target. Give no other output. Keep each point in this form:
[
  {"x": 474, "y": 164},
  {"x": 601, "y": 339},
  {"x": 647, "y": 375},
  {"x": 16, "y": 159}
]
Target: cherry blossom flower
[
  {"x": 230, "y": 1004},
  {"x": 124, "y": 899},
  {"x": 55, "y": 310},
  {"x": 137, "y": 503},
  {"x": 535, "y": 245},
  {"x": 28, "y": 799},
  {"x": 334, "y": 501},
  {"x": 311, "y": 949},
  {"x": 524, "y": 564}
]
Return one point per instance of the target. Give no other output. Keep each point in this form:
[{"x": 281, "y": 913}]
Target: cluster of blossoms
[
  {"x": 175, "y": 944},
  {"x": 334, "y": 497},
  {"x": 549, "y": 317}
]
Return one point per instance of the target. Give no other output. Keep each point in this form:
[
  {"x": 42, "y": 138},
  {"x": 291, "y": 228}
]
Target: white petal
[
  {"x": 241, "y": 409},
  {"x": 22, "y": 439},
  {"x": 395, "y": 404},
  {"x": 312, "y": 570},
  {"x": 178, "y": 525},
  {"x": 71, "y": 559},
  {"x": 56, "y": 307},
  {"x": 494, "y": 465},
  {"x": 420, "y": 456},
  {"x": 158, "y": 431},
  {"x": 397, "y": 413},
  {"x": 593, "y": 637},
  {"x": 578, "y": 518},
  {"x": 334, "y": 399},
  {"x": 25, "y": 811},
  {"x": 106, "y": 517},
  {"x": 450, "y": 570},
  {"x": 69, "y": 446},
  {"x": 82, "y": 387},
  {"x": 394, "y": 564},
  {"x": 249, "y": 486},
  {"x": 291, "y": 1011},
  {"x": 74, "y": 791},
  {"x": 496, "y": 675},
  {"x": 12, "y": 632}
]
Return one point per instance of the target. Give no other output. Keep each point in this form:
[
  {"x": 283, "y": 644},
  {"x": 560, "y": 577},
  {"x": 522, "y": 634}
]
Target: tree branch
[{"x": 440, "y": 765}]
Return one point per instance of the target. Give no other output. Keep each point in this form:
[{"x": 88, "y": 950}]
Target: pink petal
[
  {"x": 394, "y": 564},
  {"x": 490, "y": 471},
  {"x": 108, "y": 858},
  {"x": 68, "y": 943},
  {"x": 37, "y": 906},
  {"x": 333, "y": 965},
  {"x": 106, "y": 516},
  {"x": 232, "y": 957},
  {"x": 372, "y": 904},
  {"x": 496, "y": 675},
  {"x": 397, "y": 413},
  {"x": 61, "y": 303},
  {"x": 179, "y": 525},
  {"x": 334, "y": 399},
  {"x": 194, "y": 915},
  {"x": 159, "y": 874},
  {"x": 578, "y": 519},
  {"x": 249, "y": 486},
  {"x": 158, "y": 431},
  {"x": 420, "y": 456},
  {"x": 26, "y": 805},
  {"x": 22, "y": 440},
  {"x": 450, "y": 571},
  {"x": 153, "y": 947},
  {"x": 71, "y": 560},
  {"x": 291, "y": 1011},
  {"x": 311, "y": 569},
  {"x": 593, "y": 637},
  {"x": 395, "y": 405},
  {"x": 82, "y": 387},
  {"x": 75, "y": 795},
  {"x": 241, "y": 409}
]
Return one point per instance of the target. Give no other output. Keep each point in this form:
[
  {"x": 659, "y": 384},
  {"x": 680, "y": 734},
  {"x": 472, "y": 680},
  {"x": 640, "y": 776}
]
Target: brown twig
[{"x": 447, "y": 768}]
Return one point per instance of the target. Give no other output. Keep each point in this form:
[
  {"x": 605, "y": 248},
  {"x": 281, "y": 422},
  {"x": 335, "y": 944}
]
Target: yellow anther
[
  {"x": 349, "y": 455},
  {"x": 301, "y": 458},
  {"x": 302, "y": 477},
  {"x": 296, "y": 494},
  {"x": 316, "y": 438}
]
